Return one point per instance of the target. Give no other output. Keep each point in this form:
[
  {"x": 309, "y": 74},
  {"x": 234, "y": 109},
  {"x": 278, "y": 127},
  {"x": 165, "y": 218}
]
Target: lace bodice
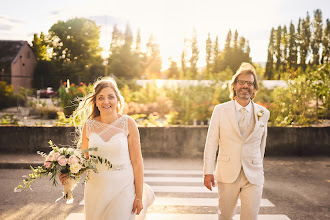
[{"x": 110, "y": 139}]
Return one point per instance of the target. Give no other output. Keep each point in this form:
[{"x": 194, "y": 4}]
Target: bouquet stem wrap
[{"x": 68, "y": 188}]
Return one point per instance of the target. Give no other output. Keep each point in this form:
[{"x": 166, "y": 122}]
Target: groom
[{"x": 239, "y": 128}]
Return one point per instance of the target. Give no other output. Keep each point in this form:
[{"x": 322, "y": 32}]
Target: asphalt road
[{"x": 297, "y": 187}]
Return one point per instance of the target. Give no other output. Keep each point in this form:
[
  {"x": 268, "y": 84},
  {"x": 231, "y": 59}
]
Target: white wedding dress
[{"x": 109, "y": 194}]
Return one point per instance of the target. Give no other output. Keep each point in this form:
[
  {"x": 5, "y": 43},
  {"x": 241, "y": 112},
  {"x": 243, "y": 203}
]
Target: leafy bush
[
  {"x": 69, "y": 94},
  {"x": 304, "y": 101},
  {"x": 9, "y": 119},
  {"x": 46, "y": 112},
  {"x": 7, "y": 96}
]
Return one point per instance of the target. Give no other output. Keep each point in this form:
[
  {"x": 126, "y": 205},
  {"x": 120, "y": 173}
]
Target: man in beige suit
[{"x": 238, "y": 128}]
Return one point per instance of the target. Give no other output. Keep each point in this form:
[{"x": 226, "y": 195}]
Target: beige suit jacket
[{"x": 234, "y": 152}]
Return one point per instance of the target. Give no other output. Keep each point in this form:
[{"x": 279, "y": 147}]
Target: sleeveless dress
[{"x": 109, "y": 194}]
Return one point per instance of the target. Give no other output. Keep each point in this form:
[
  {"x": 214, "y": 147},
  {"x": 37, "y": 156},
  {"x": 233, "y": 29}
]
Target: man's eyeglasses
[{"x": 242, "y": 82}]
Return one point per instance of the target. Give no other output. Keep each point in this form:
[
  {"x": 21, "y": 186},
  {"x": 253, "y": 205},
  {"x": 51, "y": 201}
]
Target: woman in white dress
[{"x": 115, "y": 194}]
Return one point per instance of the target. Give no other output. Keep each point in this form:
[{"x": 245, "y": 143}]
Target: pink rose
[
  {"x": 62, "y": 160},
  {"x": 47, "y": 164},
  {"x": 73, "y": 159},
  {"x": 55, "y": 156}
]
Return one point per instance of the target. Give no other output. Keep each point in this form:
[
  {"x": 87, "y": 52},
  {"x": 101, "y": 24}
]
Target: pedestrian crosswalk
[{"x": 180, "y": 194}]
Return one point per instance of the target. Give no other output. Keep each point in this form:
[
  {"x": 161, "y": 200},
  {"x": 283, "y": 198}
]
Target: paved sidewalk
[{"x": 23, "y": 161}]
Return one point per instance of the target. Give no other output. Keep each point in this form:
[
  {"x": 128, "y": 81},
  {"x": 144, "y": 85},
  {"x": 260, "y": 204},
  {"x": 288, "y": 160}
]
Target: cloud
[
  {"x": 9, "y": 24},
  {"x": 6, "y": 27},
  {"x": 55, "y": 12},
  {"x": 10, "y": 20}
]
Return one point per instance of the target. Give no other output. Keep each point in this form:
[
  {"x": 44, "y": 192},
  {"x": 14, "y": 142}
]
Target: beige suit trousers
[{"x": 250, "y": 195}]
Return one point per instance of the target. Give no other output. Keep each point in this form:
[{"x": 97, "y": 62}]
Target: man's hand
[{"x": 209, "y": 181}]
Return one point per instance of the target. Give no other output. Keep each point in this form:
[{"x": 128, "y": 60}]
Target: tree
[
  {"x": 235, "y": 40},
  {"x": 117, "y": 42},
  {"x": 75, "y": 46},
  {"x": 299, "y": 41},
  {"x": 306, "y": 41},
  {"x": 173, "y": 71},
  {"x": 39, "y": 46},
  {"x": 154, "y": 60},
  {"x": 292, "y": 58},
  {"x": 270, "y": 56},
  {"x": 138, "y": 42},
  {"x": 326, "y": 43},
  {"x": 285, "y": 45},
  {"x": 216, "y": 55},
  {"x": 123, "y": 62},
  {"x": 128, "y": 36},
  {"x": 208, "y": 53},
  {"x": 278, "y": 48},
  {"x": 194, "y": 55},
  {"x": 317, "y": 36},
  {"x": 228, "y": 40},
  {"x": 183, "y": 65},
  {"x": 232, "y": 56}
]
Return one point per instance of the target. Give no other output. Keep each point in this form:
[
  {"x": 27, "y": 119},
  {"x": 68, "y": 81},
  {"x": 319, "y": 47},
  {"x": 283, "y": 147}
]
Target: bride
[{"x": 118, "y": 193}]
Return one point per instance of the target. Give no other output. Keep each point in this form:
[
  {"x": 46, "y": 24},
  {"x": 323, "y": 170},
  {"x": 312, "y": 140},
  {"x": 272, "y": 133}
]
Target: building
[{"x": 17, "y": 63}]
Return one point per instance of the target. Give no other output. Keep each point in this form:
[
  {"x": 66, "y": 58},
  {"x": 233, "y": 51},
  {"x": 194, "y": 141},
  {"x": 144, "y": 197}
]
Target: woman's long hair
[{"x": 87, "y": 105}]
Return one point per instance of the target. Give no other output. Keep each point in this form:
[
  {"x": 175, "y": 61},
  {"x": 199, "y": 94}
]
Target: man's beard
[{"x": 244, "y": 96}]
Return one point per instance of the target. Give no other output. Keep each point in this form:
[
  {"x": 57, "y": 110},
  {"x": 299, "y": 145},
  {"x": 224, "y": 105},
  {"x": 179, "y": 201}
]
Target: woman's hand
[
  {"x": 63, "y": 178},
  {"x": 137, "y": 206}
]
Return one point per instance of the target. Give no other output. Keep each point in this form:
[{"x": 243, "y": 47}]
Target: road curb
[{"x": 19, "y": 165}]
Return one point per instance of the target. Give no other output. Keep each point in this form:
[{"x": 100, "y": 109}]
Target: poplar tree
[
  {"x": 278, "y": 47},
  {"x": 194, "y": 55},
  {"x": 270, "y": 56},
  {"x": 299, "y": 42},
  {"x": 285, "y": 48},
  {"x": 183, "y": 59},
  {"x": 123, "y": 61},
  {"x": 183, "y": 64},
  {"x": 326, "y": 43},
  {"x": 292, "y": 58},
  {"x": 216, "y": 54},
  {"x": 235, "y": 40},
  {"x": 154, "y": 60},
  {"x": 317, "y": 36},
  {"x": 138, "y": 42},
  {"x": 173, "y": 71},
  {"x": 228, "y": 40},
  {"x": 242, "y": 43},
  {"x": 128, "y": 36},
  {"x": 306, "y": 40},
  {"x": 208, "y": 49},
  {"x": 116, "y": 42}
]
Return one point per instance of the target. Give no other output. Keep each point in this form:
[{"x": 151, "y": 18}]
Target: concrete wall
[{"x": 171, "y": 141}]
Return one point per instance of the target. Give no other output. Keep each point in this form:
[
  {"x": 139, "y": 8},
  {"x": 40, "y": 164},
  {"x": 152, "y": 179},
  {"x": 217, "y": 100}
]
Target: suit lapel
[
  {"x": 231, "y": 113},
  {"x": 256, "y": 125}
]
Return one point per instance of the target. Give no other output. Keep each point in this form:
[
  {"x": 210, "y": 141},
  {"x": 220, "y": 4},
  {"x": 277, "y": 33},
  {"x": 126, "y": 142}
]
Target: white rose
[{"x": 74, "y": 168}]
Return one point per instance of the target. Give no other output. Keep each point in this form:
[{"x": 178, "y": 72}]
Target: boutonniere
[{"x": 260, "y": 114}]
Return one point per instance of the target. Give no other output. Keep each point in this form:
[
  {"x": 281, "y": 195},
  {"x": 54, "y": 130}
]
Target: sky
[{"x": 170, "y": 21}]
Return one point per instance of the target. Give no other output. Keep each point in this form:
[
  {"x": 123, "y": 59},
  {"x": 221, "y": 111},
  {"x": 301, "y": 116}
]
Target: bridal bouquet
[{"x": 64, "y": 160}]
